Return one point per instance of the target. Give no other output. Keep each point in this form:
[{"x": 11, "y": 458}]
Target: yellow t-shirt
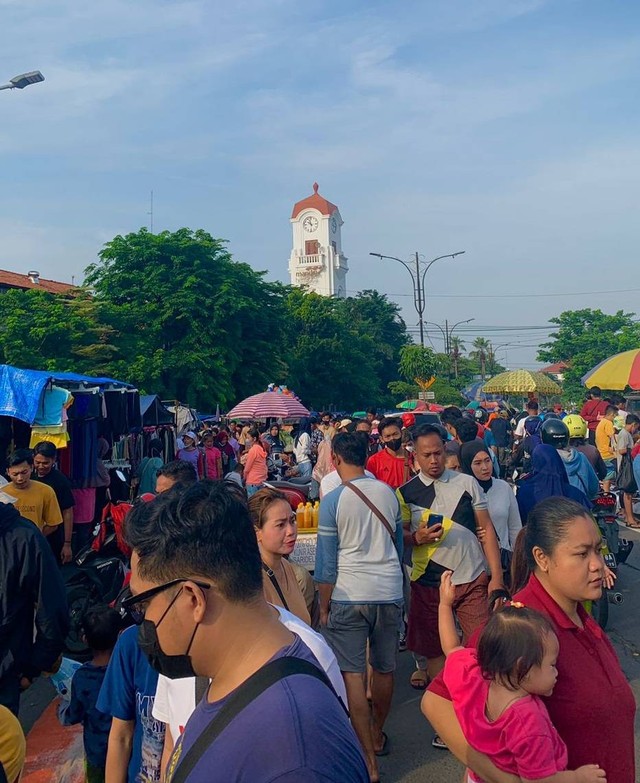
[
  {"x": 38, "y": 503},
  {"x": 604, "y": 436}
]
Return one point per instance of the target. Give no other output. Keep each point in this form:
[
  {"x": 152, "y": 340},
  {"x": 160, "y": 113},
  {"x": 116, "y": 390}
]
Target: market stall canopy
[
  {"x": 474, "y": 392},
  {"x": 21, "y": 390},
  {"x": 153, "y": 411},
  {"x": 616, "y": 373},
  {"x": 521, "y": 382},
  {"x": 267, "y": 405}
]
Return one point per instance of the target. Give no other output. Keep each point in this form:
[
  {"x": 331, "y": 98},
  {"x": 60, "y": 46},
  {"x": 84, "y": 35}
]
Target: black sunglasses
[{"x": 134, "y": 606}]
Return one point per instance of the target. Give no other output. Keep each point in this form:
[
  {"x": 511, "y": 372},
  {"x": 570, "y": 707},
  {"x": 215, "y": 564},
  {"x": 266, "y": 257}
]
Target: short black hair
[
  {"x": 351, "y": 447},
  {"x": 632, "y": 419},
  {"x": 202, "y": 531},
  {"x": 511, "y": 643},
  {"x": 595, "y": 391},
  {"x": 466, "y": 430},
  {"x": 180, "y": 471},
  {"x": 19, "y": 456},
  {"x": 389, "y": 421},
  {"x": 610, "y": 409},
  {"x": 533, "y": 405},
  {"x": 372, "y": 411},
  {"x": 101, "y": 625},
  {"x": 450, "y": 414},
  {"x": 424, "y": 430},
  {"x": 45, "y": 449}
]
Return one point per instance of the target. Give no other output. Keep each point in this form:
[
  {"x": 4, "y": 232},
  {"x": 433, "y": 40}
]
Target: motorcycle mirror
[{"x": 121, "y": 476}]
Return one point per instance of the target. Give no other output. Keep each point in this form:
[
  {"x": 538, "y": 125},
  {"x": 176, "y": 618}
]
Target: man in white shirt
[{"x": 359, "y": 575}]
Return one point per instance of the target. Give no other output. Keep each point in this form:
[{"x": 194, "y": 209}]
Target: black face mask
[
  {"x": 175, "y": 667},
  {"x": 394, "y": 445}
]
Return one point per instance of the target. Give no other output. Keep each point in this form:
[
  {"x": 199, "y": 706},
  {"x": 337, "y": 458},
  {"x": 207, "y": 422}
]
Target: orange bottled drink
[{"x": 300, "y": 516}]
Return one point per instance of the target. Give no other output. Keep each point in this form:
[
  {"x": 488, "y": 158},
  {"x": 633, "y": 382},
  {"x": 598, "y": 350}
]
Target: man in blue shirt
[{"x": 197, "y": 594}]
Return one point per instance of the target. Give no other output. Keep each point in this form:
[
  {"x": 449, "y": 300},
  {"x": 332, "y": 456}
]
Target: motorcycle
[
  {"x": 615, "y": 550},
  {"x": 95, "y": 576}
]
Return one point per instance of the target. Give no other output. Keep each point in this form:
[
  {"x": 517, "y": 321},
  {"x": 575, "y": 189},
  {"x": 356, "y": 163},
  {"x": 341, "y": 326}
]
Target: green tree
[
  {"x": 194, "y": 324},
  {"x": 456, "y": 351},
  {"x": 54, "y": 332},
  {"x": 419, "y": 365},
  {"x": 583, "y": 339},
  {"x": 481, "y": 352}
]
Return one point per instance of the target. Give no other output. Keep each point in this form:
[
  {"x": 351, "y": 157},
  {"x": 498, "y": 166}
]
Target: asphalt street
[{"x": 412, "y": 759}]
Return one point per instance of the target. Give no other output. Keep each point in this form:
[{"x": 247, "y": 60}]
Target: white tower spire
[{"x": 317, "y": 260}]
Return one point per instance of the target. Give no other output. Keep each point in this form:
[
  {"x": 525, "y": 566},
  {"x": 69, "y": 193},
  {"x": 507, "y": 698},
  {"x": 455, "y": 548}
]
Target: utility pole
[{"x": 420, "y": 304}]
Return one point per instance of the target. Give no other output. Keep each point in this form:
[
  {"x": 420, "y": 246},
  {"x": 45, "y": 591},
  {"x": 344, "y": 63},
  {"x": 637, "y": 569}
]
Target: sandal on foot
[
  {"x": 437, "y": 742},
  {"x": 419, "y": 680},
  {"x": 384, "y": 750}
]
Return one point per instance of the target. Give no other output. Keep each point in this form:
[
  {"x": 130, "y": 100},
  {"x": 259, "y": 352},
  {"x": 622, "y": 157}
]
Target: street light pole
[
  {"x": 417, "y": 279},
  {"x": 23, "y": 80}
]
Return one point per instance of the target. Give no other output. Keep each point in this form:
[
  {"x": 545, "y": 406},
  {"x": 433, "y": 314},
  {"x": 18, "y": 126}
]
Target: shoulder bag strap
[
  {"x": 274, "y": 582},
  {"x": 252, "y": 688},
  {"x": 374, "y": 509}
]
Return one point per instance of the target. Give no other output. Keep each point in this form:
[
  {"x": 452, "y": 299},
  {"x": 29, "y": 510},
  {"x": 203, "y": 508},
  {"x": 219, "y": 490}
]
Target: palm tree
[
  {"x": 456, "y": 347},
  {"x": 481, "y": 353}
]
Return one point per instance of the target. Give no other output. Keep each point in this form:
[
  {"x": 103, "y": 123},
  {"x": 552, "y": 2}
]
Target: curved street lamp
[
  {"x": 23, "y": 80},
  {"x": 417, "y": 278}
]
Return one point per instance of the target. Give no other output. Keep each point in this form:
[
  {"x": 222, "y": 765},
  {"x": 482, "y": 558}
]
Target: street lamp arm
[
  {"x": 468, "y": 321},
  {"x": 400, "y": 261},
  {"x": 438, "y": 258},
  {"x": 442, "y": 332}
]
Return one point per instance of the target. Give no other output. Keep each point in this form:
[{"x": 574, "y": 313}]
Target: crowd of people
[{"x": 225, "y": 660}]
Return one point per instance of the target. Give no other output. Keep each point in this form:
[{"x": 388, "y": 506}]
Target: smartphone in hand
[{"x": 434, "y": 519}]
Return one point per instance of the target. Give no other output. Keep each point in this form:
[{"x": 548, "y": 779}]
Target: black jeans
[{"x": 10, "y": 693}]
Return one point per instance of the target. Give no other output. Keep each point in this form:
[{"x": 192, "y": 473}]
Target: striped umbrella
[
  {"x": 268, "y": 405},
  {"x": 616, "y": 373}
]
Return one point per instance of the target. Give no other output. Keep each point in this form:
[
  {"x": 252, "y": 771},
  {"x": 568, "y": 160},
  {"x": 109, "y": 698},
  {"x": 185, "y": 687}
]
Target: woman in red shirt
[{"x": 563, "y": 554}]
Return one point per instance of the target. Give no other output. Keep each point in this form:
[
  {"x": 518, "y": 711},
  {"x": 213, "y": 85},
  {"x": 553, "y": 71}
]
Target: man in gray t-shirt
[{"x": 624, "y": 444}]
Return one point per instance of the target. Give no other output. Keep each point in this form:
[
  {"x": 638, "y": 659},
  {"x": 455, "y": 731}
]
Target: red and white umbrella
[{"x": 268, "y": 405}]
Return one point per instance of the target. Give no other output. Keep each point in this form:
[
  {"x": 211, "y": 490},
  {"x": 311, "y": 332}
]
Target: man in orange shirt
[{"x": 392, "y": 465}]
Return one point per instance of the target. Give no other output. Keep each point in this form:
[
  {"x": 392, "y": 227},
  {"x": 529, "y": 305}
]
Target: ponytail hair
[{"x": 547, "y": 525}]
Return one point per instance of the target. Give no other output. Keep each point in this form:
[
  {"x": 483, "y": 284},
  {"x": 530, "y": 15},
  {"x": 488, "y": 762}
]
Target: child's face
[
  {"x": 541, "y": 680},
  {"x": 452, "y": 462}
]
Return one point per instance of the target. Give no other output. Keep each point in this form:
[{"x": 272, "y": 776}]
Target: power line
[{"x": 517, "y": 296}]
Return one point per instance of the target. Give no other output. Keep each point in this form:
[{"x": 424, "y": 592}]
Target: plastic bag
[
  {"x": 626, "y": 480},
  {"x": 62, "y": 678}
]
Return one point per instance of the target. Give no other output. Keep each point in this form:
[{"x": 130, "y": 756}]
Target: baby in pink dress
[{"x": 496, "y": 691}]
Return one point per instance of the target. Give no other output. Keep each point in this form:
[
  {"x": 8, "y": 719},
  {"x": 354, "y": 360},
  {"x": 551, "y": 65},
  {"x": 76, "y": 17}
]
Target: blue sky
[{"x": 505, "y": 128}]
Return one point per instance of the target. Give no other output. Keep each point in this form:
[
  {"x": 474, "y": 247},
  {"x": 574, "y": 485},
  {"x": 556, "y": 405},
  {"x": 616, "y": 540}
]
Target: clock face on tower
[
  {"x": 334, "y": 225},
  {"x": 310, "y": 224}
]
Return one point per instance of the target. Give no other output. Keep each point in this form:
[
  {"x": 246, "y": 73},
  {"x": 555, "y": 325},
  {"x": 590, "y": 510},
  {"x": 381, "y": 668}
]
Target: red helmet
[{"x": 408, "y": 420}]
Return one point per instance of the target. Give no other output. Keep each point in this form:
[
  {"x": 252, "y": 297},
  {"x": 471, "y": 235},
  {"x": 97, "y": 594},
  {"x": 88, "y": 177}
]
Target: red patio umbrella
[{"x": 268, "y": 405}]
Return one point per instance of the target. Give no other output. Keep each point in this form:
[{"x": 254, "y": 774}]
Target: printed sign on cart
[{"x": 305, "y": 551}]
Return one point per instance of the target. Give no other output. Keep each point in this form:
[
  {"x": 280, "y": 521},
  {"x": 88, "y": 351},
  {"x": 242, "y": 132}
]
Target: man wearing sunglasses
[{"x": 197, "y": 595}]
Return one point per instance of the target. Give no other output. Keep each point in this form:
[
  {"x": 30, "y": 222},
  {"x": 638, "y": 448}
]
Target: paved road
[{"x": 412, "y": 759}]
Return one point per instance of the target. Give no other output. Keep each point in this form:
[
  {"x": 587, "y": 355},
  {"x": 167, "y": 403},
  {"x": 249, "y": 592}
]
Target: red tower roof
[{"x": 316, "y": 201}]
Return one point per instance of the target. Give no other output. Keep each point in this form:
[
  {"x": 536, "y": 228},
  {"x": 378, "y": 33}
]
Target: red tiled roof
[
  {"x": 15, "y": 280},
  {"x": 316, "y": 201},
  {"x": 555, "y": 369}
]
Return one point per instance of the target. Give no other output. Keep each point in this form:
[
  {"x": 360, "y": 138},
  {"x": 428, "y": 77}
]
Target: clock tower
[{"x": 317, "y": 260}]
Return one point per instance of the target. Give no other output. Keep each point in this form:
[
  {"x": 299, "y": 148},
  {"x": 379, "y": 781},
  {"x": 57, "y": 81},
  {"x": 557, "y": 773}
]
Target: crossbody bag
[
  {"x": 264, "y": 678},
  {"x": 276, "y": 585},
  {"x": 376, "y": 511}
]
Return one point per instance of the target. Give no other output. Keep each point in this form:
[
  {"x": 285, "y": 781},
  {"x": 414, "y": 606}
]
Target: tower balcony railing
[{"x": 317, "y": 258}]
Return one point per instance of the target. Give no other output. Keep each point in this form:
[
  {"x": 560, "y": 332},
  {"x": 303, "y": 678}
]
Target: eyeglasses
[{"x": 135, "y": 606}]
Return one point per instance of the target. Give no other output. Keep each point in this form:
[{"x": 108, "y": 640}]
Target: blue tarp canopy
[
  {"x": 21, "y": 390},
  {"x": 153, "y": 411}
]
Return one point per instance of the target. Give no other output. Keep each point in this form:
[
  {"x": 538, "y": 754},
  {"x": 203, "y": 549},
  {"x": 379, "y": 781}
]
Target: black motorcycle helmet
[{"x": 554, "y": 432}]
